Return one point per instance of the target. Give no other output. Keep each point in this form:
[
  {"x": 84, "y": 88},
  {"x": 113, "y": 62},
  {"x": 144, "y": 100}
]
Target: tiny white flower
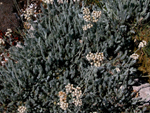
[
  {"x": 142, "y": 44},
  {"x": 2, "y": 41},
  {"x": 2, "y": 62},
  {"x": 134, "y": 56},
  {"x": 84, "y": 27},
  {"x": 19, "y": 45},
  {"x": 117, "y": 69},
  {"x": 8, "y": 33},
  {"x": 29, "y": 11},
  {"x": 89, "y": 25},
  {"x": 9, "y": 30},
  {"x": 80, "y": 41},
  {"x": 48, "y": 1}
]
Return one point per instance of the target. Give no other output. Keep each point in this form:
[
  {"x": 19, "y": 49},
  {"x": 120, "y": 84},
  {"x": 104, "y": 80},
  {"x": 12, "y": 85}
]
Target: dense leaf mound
[{"x": 75, "y": 60}]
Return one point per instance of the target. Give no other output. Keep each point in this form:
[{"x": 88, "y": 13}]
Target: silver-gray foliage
[{"x": 57, "y": 54}]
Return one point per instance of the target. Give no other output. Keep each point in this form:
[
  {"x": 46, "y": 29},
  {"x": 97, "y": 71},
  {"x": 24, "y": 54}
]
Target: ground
[{"x": 7, "y": 16}]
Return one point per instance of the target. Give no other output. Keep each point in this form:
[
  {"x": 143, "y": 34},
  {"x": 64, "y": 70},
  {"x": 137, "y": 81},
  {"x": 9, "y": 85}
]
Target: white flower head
[
  {"x": 22, "y": 109},
  {"x": 77, "y": 102},
  {"x": 96, "y": 14},
  {"x": 63, "y": 105},
  {"x": 9, "y": 30},
  {"x": 76, "y": 94},
  {"x": 86, "y": 11},
  {"x": 89, "y": 25},
  {"x": 94, "y": 19},
  {"x": 87, "y": 18},
  {"x": 8, "y": 33},
  {"x": 48, "y": 1},
  {"x": 2, "y": 62},
  {"x": 142, "y": 44},
  {"x": 95, "y": 59},
  {"x": 117, "y": 69},
  {"x": 29, "y": 11},
  {"x": 19, "y": 45},
  {"x": 63, "y": 100},
  {"x": 69, "y": 88},
  {"x": 134, "y": 56}
]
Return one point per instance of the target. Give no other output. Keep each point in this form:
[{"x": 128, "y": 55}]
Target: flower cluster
[
  {"x": 4, "y": 41},
  {"x": 8, "y": 33},
  {"x": 134, "y": 56},
  {"x": 94, "y": 19},
  {"x": 30, "y": 11},
  {"x": 88, "y": 26},
  {"x": 86, "y": 11},
  {"x": 63, "y": 100},
  {"x": 95, "y": 58},
  {"x": 22, "y": 109},
  {"x": 96, "y": 15},
  {"x": 76, "y": 94},
  {"x": 142, "y": 44},
  {"x": 69, "y": 88},
  {"x": 87, "y": 17}
]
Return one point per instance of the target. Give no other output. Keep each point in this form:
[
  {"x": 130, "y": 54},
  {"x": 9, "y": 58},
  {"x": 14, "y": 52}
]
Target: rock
[{"x": 144, "y": 91}]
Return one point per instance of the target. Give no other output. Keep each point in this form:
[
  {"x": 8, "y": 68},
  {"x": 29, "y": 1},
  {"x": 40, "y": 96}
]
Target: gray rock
[{"x": 144, "y": 91}]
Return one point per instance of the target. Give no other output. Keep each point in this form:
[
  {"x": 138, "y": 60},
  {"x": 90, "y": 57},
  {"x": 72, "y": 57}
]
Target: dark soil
[{"x": 8, "y": 16}]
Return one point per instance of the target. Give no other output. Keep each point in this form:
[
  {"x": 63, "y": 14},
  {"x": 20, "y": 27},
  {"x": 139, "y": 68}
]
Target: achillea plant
[{"x": 53, "y": 65}]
